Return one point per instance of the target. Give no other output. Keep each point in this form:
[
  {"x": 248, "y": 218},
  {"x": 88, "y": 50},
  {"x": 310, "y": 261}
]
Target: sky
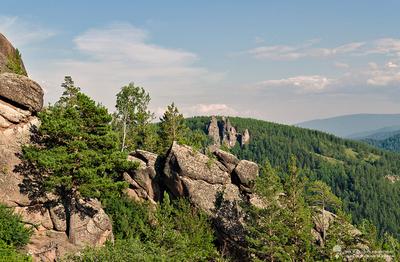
[{"x": 281, "y": 61}]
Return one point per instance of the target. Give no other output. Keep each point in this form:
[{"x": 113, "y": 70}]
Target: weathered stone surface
[
  {"x": 144, "y": 180},
  {"x": 246, "y": 171},
  {"x": 245, "y": 138},
  {"x": 13, "y": 114},
  {"x": 90, "y": 224},
  {"x": 148, "y": 157},
  {"x": 183, "y": 161},
  {"x": 21, "y": 91},
  {"x": 140, "y": 162},
  {"x": 7, "y": 52},
  {"x": 58, "y": 217},
  {"x": 227, "y": 159},
  {"x": 229, "y": 134},
  {"x": 35, "y": 215},
  {"x": 213, "y": 131},
  {"x": 11, "y": 140}
]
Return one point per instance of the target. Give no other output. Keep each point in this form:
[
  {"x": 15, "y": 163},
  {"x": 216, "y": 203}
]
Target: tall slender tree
[{"x": 133, "y": 118}]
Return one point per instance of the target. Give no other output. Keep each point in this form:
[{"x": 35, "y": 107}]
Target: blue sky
[{"x": 283, "y": 61}]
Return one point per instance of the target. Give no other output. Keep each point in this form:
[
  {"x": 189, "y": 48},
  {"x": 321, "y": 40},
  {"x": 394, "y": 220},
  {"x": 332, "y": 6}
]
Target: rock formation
[
  {"x": 143, "y": 182},
  {"x": 20, "y": 100},
  {"x": 9, "y": 56},
  {"x": 223, "y": 133}
]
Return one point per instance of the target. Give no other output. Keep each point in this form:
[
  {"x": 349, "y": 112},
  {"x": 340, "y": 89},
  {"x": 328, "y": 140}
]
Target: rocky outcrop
[
  {"x": 210, "y": 184},
  {"x": 143, "y": 182},
  {"x": 8, "y": 54},
  {"x": 245, "y": 137},
  {"x": 21, "y": 91},
  {"x": 222, "y": 133},
  {"x": 20, "y": 100},
  {"x": 213, "y": 131}
]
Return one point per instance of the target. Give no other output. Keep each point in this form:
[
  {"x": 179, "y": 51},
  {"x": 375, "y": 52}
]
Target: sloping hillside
[{"x": 355, "y": 171}]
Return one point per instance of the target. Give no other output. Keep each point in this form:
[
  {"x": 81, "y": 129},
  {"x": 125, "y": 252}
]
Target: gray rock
[
  {"x": 90, "y": 224},
  {"x": 183, "y": 161},
  {"x": 21, "y": 91},
  {"x": 246, "y": 171},
  {"x": 213, "y": 131},
  {"x": 58, "y": 217},
  {"x": 245, "y": 138},
  {"x": 227, "y": 159}
]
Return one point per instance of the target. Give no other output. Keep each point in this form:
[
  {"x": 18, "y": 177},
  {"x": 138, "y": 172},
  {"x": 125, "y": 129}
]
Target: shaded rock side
[{"x": 143, "y": 182}]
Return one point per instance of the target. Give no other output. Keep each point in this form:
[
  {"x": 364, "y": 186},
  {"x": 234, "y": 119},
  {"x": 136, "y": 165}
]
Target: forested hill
[
  {"x": 391, "y": 143},
  {"x": 355, "y": 171}
]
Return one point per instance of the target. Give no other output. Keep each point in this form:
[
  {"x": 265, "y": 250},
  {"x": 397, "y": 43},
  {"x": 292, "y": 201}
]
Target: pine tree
[
  {"x": 321, "y": 196},
  {"x": 75, "y": 153},
  {"x": 299, "y": 222},
  {"x": 172, "y": 128}
]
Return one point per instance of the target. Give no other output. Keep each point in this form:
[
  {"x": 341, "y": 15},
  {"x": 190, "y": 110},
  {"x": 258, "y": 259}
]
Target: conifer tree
[
  {"x": 172, "y": 128},
  {"x": 75, "y": 153}
]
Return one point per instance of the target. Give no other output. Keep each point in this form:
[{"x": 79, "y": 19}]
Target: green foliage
[
  {"x": 281, "y": 230},
  {"x": 76, "y": 149},
  {"x": 172, "y": 232},
  {"x": 172, "y": 128},
  {"x": 353, "y": 170},
  {"x": 14, "y": 64},
  {"x": 11, "y": 254},
  {"x": 391, "y": 143},
  {"x": 12, "y": 230},
  {"x": 133, "y": 119},
  {"x": 74, "y": 154},
  {"x": 13, "y": 235},
  {"x": 320, "y": 195}
]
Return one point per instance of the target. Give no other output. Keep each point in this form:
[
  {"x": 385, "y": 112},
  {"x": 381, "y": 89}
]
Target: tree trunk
[
  {"x": 72, "y": 217},
  {"x": 124, "y": 134}
]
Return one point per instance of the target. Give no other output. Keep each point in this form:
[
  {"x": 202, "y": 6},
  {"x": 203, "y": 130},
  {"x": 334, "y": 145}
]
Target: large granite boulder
[
  {"x": 8, "y": 55},
  {"x": 184, "y": 166},
  {"x": 247, "y": 172},
  {"x": 21, "y": 91}
]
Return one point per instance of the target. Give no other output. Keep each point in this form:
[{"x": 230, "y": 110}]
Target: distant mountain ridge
[{"x": 355, "y": 126}]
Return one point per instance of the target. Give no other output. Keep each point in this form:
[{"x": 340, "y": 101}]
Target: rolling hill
[
  {"x": 355, "y": 126},
  {"x": 355, "y": 171}
]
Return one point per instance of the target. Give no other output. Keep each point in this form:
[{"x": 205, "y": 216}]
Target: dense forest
[
  {"x": 391, "y": 143},
  {"x": 355, "y": 171}
]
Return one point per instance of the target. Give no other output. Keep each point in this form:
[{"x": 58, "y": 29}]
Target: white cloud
[
  {"x": 387, "y": 75},
  {"x": 341, "y": 65},
  {"x": 124, "y": 42},
  {"x": 387, "y": 46},
  {"x": 308, "y": 49},
  {"x": 311, "y": 83},
  {"x": 112, "y": 56},
  {"x": 23, "y": 33},
  {"x": 211, "y": 109}
]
